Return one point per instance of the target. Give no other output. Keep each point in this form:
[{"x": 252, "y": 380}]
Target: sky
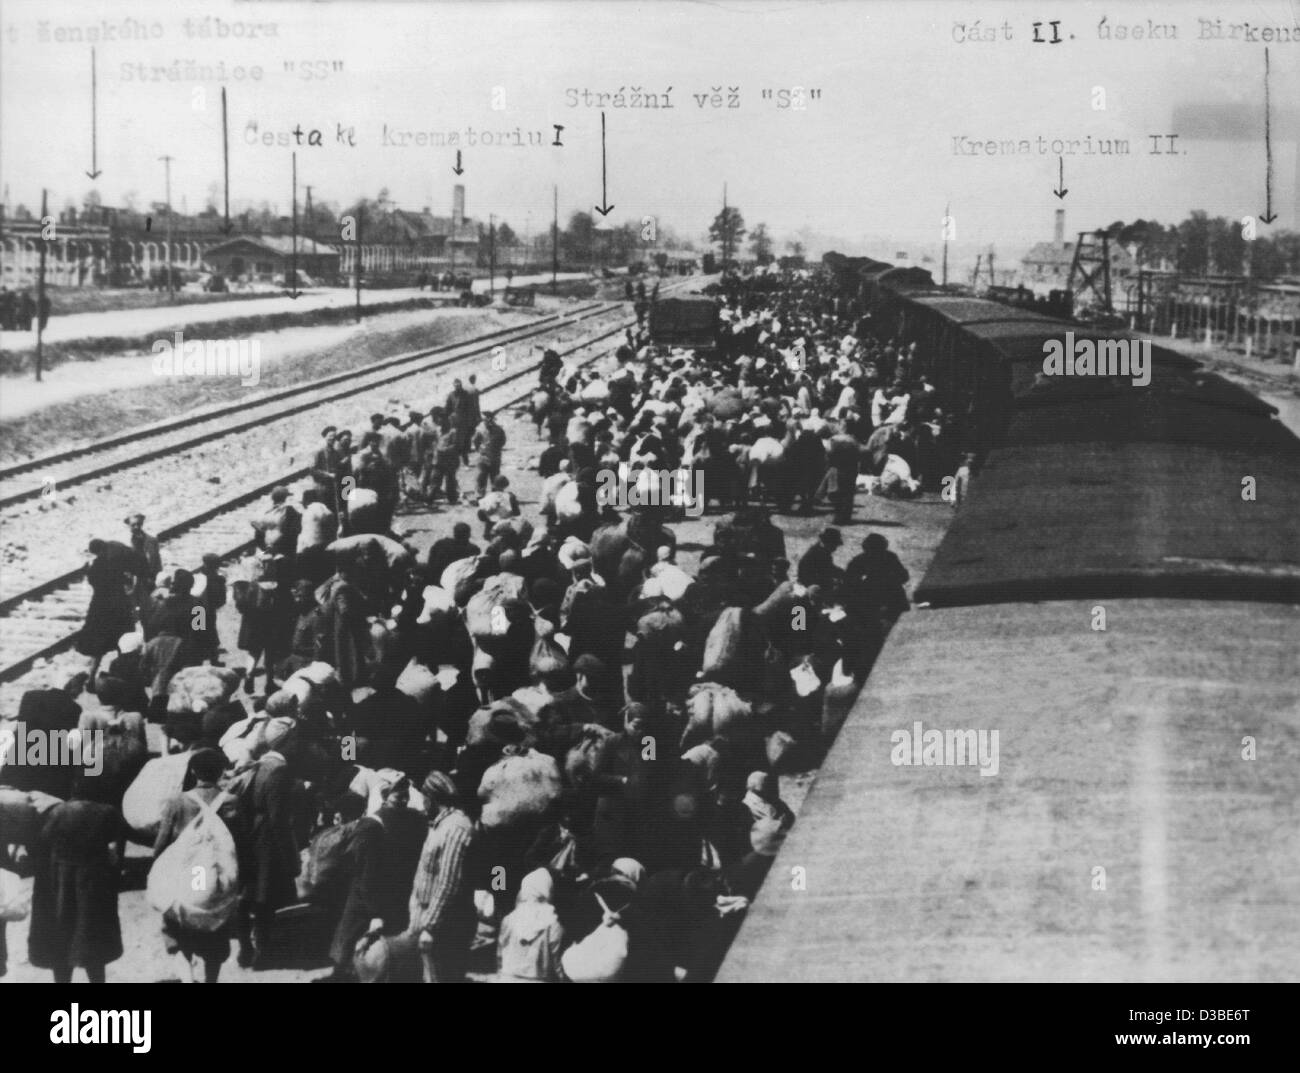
[{"x": 869, "y": 160}]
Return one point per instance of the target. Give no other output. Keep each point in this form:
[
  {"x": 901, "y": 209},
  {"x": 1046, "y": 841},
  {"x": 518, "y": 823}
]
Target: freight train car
[
  {"x": 1077, "y": 758},
  {"x": 692, "y": 323}
]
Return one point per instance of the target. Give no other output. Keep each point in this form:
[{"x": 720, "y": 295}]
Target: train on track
[{"x": 1078, "y": 756}]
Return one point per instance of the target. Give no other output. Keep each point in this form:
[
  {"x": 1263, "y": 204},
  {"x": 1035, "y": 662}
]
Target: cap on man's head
[
  {"x": 832, "y": 536},
  {"x": 329, "y": 430},
  {"x": 437, "y": 786},
  {"x": 206, "y": 765},
  {"x": 279, "y": 494},
  {"x": 589, "y": 665},
  {"x": 132, "y": 519},
  {"x": 461, "y": 530},
  {"x": 114, "y": 692},
  {"x": 376, "y": 419}
]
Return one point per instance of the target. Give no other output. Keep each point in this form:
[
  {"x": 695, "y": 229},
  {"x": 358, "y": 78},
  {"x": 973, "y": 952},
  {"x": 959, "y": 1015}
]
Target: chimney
[
  {"x": 1060, "y": 227},
  {"x": 457, "y": 208}
]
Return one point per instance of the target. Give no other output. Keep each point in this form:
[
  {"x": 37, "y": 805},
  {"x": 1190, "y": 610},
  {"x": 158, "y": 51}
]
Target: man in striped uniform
[{"x": 442, "y": 900}]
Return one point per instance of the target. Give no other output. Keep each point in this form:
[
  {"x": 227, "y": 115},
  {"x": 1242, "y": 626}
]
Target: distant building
[
  {"x": 680, "y": 262},
  {"x": 102, "y": 246},
  {"x": 119, "y": 247},
  {"x": 1046, "y": 267},
  {"x": 263, "y": 259},
  {"x": 404, "y": 240}
]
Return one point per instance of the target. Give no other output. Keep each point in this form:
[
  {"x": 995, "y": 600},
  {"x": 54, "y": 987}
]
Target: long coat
[
  {"x": 74, "y": 897},
  {"x": 268, "y": 850},
  {"x": 111, "y": 613},
  {"x": 386, "y": 851}
]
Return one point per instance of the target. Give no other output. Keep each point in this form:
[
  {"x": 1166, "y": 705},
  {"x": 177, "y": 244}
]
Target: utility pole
[
  {"x": 311, "y": 230},
  {"x": 492, "y": 255},
  {"x": 361, "y": 210},
  {"x": 40, "y": 289},
  {"x": 293, "y": 200},
  {"x": 947, "y": 216},
  {"x": 171, "y": 287},
  {"x": 555, "y": 240}
]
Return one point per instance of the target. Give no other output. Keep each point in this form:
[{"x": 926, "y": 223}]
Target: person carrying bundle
[{"x": 189, "y": 944}]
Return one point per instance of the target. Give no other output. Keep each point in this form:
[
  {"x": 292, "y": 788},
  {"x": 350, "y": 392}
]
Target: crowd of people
[
  {"x": 19, "y": 310},
  {"x": 547, "y": 751}
]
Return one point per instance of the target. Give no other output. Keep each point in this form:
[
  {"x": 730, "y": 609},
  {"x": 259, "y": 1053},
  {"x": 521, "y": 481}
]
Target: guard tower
[{"x": 1090, "y": 271}]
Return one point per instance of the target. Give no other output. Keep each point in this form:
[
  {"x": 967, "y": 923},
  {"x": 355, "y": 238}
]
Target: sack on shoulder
[
  {"x": 161, "y": 778},
  {"x": 196, "y": 878},
  {"x": 15, "y": 898},
  {"x": 601, "y": 956}
]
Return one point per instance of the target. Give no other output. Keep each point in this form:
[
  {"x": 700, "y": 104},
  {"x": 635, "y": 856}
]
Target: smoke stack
[
  {"x": 1060, "y": 226},
  {"x": 457, "y": 208}
]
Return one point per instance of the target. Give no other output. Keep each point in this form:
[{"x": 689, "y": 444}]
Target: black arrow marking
[
  {"x": 94, "y": 171},
  {"x": 604, "y": 192},
  {"x": 1268, "y": 215},
  {"x": 1060, "y": 190},
  {"x": 227, "y": 227},
  {"x": 458, "y": 169}
]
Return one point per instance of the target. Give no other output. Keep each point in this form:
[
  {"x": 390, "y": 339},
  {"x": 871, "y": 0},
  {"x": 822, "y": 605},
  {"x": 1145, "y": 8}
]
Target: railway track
[
  {"x": 60, "y": 470},
  {"x": 43, "y": 620},
  {"x": 168, "y": 478}
]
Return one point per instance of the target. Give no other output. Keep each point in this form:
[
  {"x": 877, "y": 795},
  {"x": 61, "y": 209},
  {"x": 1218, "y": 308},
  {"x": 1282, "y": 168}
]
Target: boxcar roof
[
  {"x": 963, "y": 309},
  {"x": 1053, "y": 520},
  {"x": 1119, "y": 751},
  {"x": 1168, "y": 387}
]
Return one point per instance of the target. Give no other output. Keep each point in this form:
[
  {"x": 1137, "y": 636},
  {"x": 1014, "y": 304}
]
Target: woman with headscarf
[
  {"x": 127, "y": 666},
  {"x": 111, "y": 613},
  {"x": 74, "y": 897},
  {"x": 531, "y": 938},
  {"x": 190, "y": 944}
]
